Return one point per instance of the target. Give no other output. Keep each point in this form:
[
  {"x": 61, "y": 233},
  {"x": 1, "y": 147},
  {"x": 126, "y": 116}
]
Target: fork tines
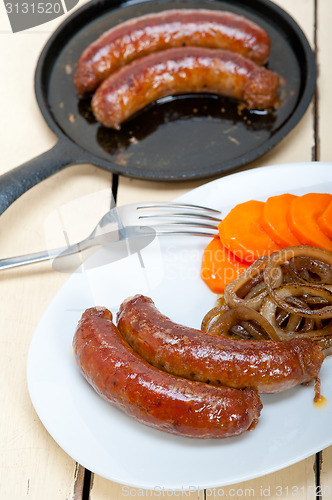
[
  {"x": 180, "y": 218},
  {"x": 167, "y": 209}
]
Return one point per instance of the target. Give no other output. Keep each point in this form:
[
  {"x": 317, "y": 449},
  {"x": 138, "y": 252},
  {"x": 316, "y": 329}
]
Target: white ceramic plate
[{"x": 109, "y": 443}]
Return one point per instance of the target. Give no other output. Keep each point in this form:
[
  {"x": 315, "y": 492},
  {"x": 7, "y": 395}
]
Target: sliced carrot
[
  {"x": 325, "y": 221},
  {"x": 242, "y": 233},
  {"x": 302, "y": 219},
  {"x": 274, "y": 220},
  {"x": 219, "y": 266}
]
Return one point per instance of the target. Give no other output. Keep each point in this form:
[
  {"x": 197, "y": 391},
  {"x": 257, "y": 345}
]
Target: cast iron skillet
[{"x": 183, "y": 138}]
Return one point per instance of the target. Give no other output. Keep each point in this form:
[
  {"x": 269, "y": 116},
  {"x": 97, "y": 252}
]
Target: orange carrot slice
[
  {"x": 302, "y": 219},
  {"x": 219, "y": 266},
  {"x": 274, "y": 220},
  {"x": 242, "y": 233},
  {"x": 325, "y": 221}
]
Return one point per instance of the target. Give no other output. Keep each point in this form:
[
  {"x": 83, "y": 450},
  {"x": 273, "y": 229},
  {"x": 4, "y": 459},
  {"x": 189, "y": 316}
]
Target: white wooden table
[{"x": 32, "y": 465}]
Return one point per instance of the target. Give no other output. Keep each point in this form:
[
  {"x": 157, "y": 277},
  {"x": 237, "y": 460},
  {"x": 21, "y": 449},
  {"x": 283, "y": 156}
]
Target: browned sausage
[
  {"x": 268, "y": 366},
  {"x": 173, "y": 28},
  {"x": 180, "y": 71},
  {"x": 151, "y": 396}
]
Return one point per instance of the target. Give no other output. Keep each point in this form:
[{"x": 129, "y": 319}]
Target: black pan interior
[{"x": 178, "y": 138}]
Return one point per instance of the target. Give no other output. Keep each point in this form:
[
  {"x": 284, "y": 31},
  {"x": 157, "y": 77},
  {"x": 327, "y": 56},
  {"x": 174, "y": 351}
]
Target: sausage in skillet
[
  {"x": 142, "y": 35},
  {"x": 181, "y": 71}
]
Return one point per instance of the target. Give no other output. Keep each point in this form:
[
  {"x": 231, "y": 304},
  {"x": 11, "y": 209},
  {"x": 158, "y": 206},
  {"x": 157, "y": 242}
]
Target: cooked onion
[
  {"x": 284, "y": 296},
  {"x": 311, "y": 270},
  {"x": 308, "y": 295},
  {"x": 249, "y": 282},
  {"x": 209, "y": 320},
  {"x": 272, "y": 268},
  {"x": 223, "y": 319}
]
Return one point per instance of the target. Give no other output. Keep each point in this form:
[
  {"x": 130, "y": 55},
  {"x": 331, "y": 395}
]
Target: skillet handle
[{"x": 20, "y": 179}]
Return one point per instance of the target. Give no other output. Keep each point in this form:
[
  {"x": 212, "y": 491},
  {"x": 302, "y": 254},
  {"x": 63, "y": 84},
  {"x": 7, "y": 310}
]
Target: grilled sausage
[
  {"x": 173, "y": 28},
  {"x": 151, "y": 396},
  {"x": 267, "y": 366},
  {"x": 180, "y": 71}
]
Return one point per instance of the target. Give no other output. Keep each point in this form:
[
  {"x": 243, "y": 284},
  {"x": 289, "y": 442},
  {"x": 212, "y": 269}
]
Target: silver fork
[{"x": 136, "y": 219}]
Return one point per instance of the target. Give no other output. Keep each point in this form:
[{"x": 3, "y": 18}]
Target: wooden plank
[
  {"x": 32, "y": 465},
  {"x": 30, "y": 460},
  {"x": 325, "y": 486},
  {"x": 324, "y": 20}
]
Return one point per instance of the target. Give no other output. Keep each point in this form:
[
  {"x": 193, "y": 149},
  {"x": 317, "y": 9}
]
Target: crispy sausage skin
[
  {"x": 140, "y": 36},
  {"x": 151, "y": 396},
  {"x": 267, "y": 366},
  {"x": 179, "y": 71}
]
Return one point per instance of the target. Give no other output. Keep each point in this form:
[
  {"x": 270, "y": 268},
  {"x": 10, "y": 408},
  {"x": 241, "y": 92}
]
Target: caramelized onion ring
[
  {"x": 281, "y": 294},
  {"x": 272, "y": 269},
  {"x": 323, "y": 335},
  {"x": 208, "y": 322},
  {"x": 284, "y": 296},
  {"x": 309, "y": 270},
  {"x": 222, "y": 319},
  {"x": 287, "y": 254},
  {"x": 254, "y": 276}
]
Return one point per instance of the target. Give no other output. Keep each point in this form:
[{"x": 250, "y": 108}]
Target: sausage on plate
[
  {"x": 183, "y": 70},
  {"x": 268, "y": 366},
  {"x": 151, "y": 396},
  {"x": 142, "y": 35}
]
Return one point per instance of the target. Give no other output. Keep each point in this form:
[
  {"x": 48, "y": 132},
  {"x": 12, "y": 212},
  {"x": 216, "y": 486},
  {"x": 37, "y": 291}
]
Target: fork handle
[{"x": 44, "y": 255}]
